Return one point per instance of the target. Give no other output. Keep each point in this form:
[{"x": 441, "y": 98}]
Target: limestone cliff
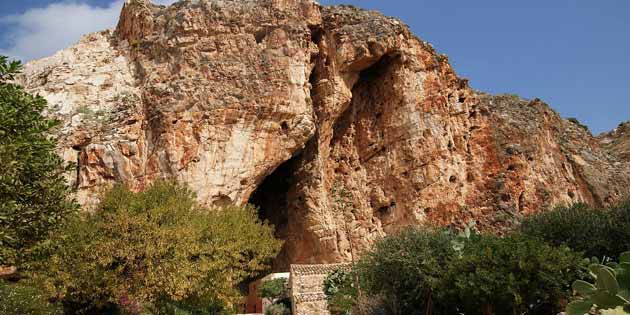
[
  {"x": 618, "y": 141},
  {"x": 338, "y": 123}
]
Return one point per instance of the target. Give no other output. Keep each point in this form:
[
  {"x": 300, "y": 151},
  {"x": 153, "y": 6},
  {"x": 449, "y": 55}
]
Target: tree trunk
[
  {"x": 429, "y": 309},
  {"x": 487, "y": 309}
]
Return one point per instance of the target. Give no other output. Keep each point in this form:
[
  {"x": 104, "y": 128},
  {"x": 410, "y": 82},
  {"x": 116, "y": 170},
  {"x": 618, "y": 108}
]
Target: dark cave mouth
[
  {"x": 271, "y": 197},
  {"x": 380, "y": 68}
]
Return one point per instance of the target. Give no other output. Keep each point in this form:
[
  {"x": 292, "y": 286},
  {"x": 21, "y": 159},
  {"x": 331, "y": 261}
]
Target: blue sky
[{"x": 573, "y": 54}]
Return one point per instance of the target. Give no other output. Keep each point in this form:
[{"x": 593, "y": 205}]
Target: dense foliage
[
  {"x": 25, "y": 299},
  {"x": 277, "y": 309},
  {"x": 191, "y": 306},
  {"x": 406, "y": 269},
  {"x": 341, "y": 291},
  {"x": 273, "y": 289},
  {"x": 33, "y": 192},
  {"x": 437, "y": 272},
  {"x": 596, "y": 232},
  {"x": 276, "y": 291},
  {"x": 510, "y": 275},
  {"x": 158, "y": 246}
]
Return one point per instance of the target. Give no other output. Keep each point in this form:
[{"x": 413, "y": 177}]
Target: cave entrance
[{"x": 272, "y": 197}]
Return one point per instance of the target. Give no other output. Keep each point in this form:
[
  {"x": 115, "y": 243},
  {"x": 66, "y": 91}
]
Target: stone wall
[{"x": 307, "y": 291}]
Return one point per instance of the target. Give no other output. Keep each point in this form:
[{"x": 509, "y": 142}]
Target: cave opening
[
  {"x": 375, "y": 74},
  {"x": 272, "y": 196}
]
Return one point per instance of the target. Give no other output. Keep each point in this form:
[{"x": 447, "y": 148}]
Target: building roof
[
  {"x": 278, "y": 275},
  {"x": 321, "y": 269}
]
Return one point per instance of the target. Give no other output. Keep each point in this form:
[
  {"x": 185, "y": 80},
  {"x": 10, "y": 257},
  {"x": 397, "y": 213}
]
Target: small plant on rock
[{"x": 578, "y": 123}]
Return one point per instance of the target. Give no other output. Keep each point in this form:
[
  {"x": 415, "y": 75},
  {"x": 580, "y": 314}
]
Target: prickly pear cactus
[{"x": 610, "y": 294}]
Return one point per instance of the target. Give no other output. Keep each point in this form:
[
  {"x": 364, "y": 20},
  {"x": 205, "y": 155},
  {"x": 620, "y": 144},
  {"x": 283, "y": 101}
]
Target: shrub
[
  {"x": 191, "y": 306},
  {"x": 341, "y": 292},
  {"x": 273, "y": 289},
  {"x": 140, "y": 249},
  {"x": 436, "y": 272},
  {"x": 33, "y": 192},
  {"x": 578, "y": 123},
  {"x": 277, "y": 309},
  {"x": 405, "y": 270},
  {"x": 25, "y": 300},
  {"x": 596, "y": 232},
  {"x": 276, "y": 291},
  {"x": 619, "y": 229},
  {"x": 510, "y": 275}
]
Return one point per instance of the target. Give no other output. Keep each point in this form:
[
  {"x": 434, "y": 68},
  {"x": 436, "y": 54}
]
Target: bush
[
  {"x": 33, "y": 192},
  {"x": 419, "y": 272},
  {"x": 406, "y": 269},
  {"x": 191, "y": 306},
  {"x": 341, "y": 292},
  {"x": 140, "y": 249},
  {"x": 619, "y": 231},
  {"x": 578, "y": 123},
  {"x": 276, "y": 291},
  {"x": 277, "y": 309},
  {"x": 25, "y": 300},
  {"x": 273, "y": 289},
  {"x": 596, "y": 232},
  {"x": 510, "y": 275}
]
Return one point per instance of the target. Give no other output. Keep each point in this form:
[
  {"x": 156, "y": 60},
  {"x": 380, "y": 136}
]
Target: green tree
[
  {"x": 159, "y": 248},
  {"x": 595, "y": 231},
  {"x": 341, "y": 292},
  {"x": 273, "y": 289},
  {"x": 510, "y": 275},
  {"x": 436, "y": 272},
  {"x": 33, "y": 192},
  {"x": 406, "y": 269}
]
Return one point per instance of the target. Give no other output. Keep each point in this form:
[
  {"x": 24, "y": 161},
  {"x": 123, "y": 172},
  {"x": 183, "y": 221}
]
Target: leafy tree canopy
[
  {"x": 273, "y": 289},
  {"x": 159, "y": 247},
  {"x": 33, "y": 192}
]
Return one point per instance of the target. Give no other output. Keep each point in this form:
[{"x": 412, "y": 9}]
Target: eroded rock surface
[
  {"x": 618, "y": 141},
  {"x": 338, "y": 123}
]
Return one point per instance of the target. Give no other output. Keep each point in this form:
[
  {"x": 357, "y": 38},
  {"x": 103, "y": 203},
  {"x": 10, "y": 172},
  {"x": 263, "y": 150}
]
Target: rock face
[
  {"x": 338, "y": 123},
  {"x": 618, "y": 141}
]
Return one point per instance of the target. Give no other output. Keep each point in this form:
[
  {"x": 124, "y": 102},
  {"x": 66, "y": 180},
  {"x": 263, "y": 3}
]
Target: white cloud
[{"x": 40, "y": 32}]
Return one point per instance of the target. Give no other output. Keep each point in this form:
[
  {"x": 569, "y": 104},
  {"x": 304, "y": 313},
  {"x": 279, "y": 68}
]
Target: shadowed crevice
[{"x": 271, "y": 197}]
